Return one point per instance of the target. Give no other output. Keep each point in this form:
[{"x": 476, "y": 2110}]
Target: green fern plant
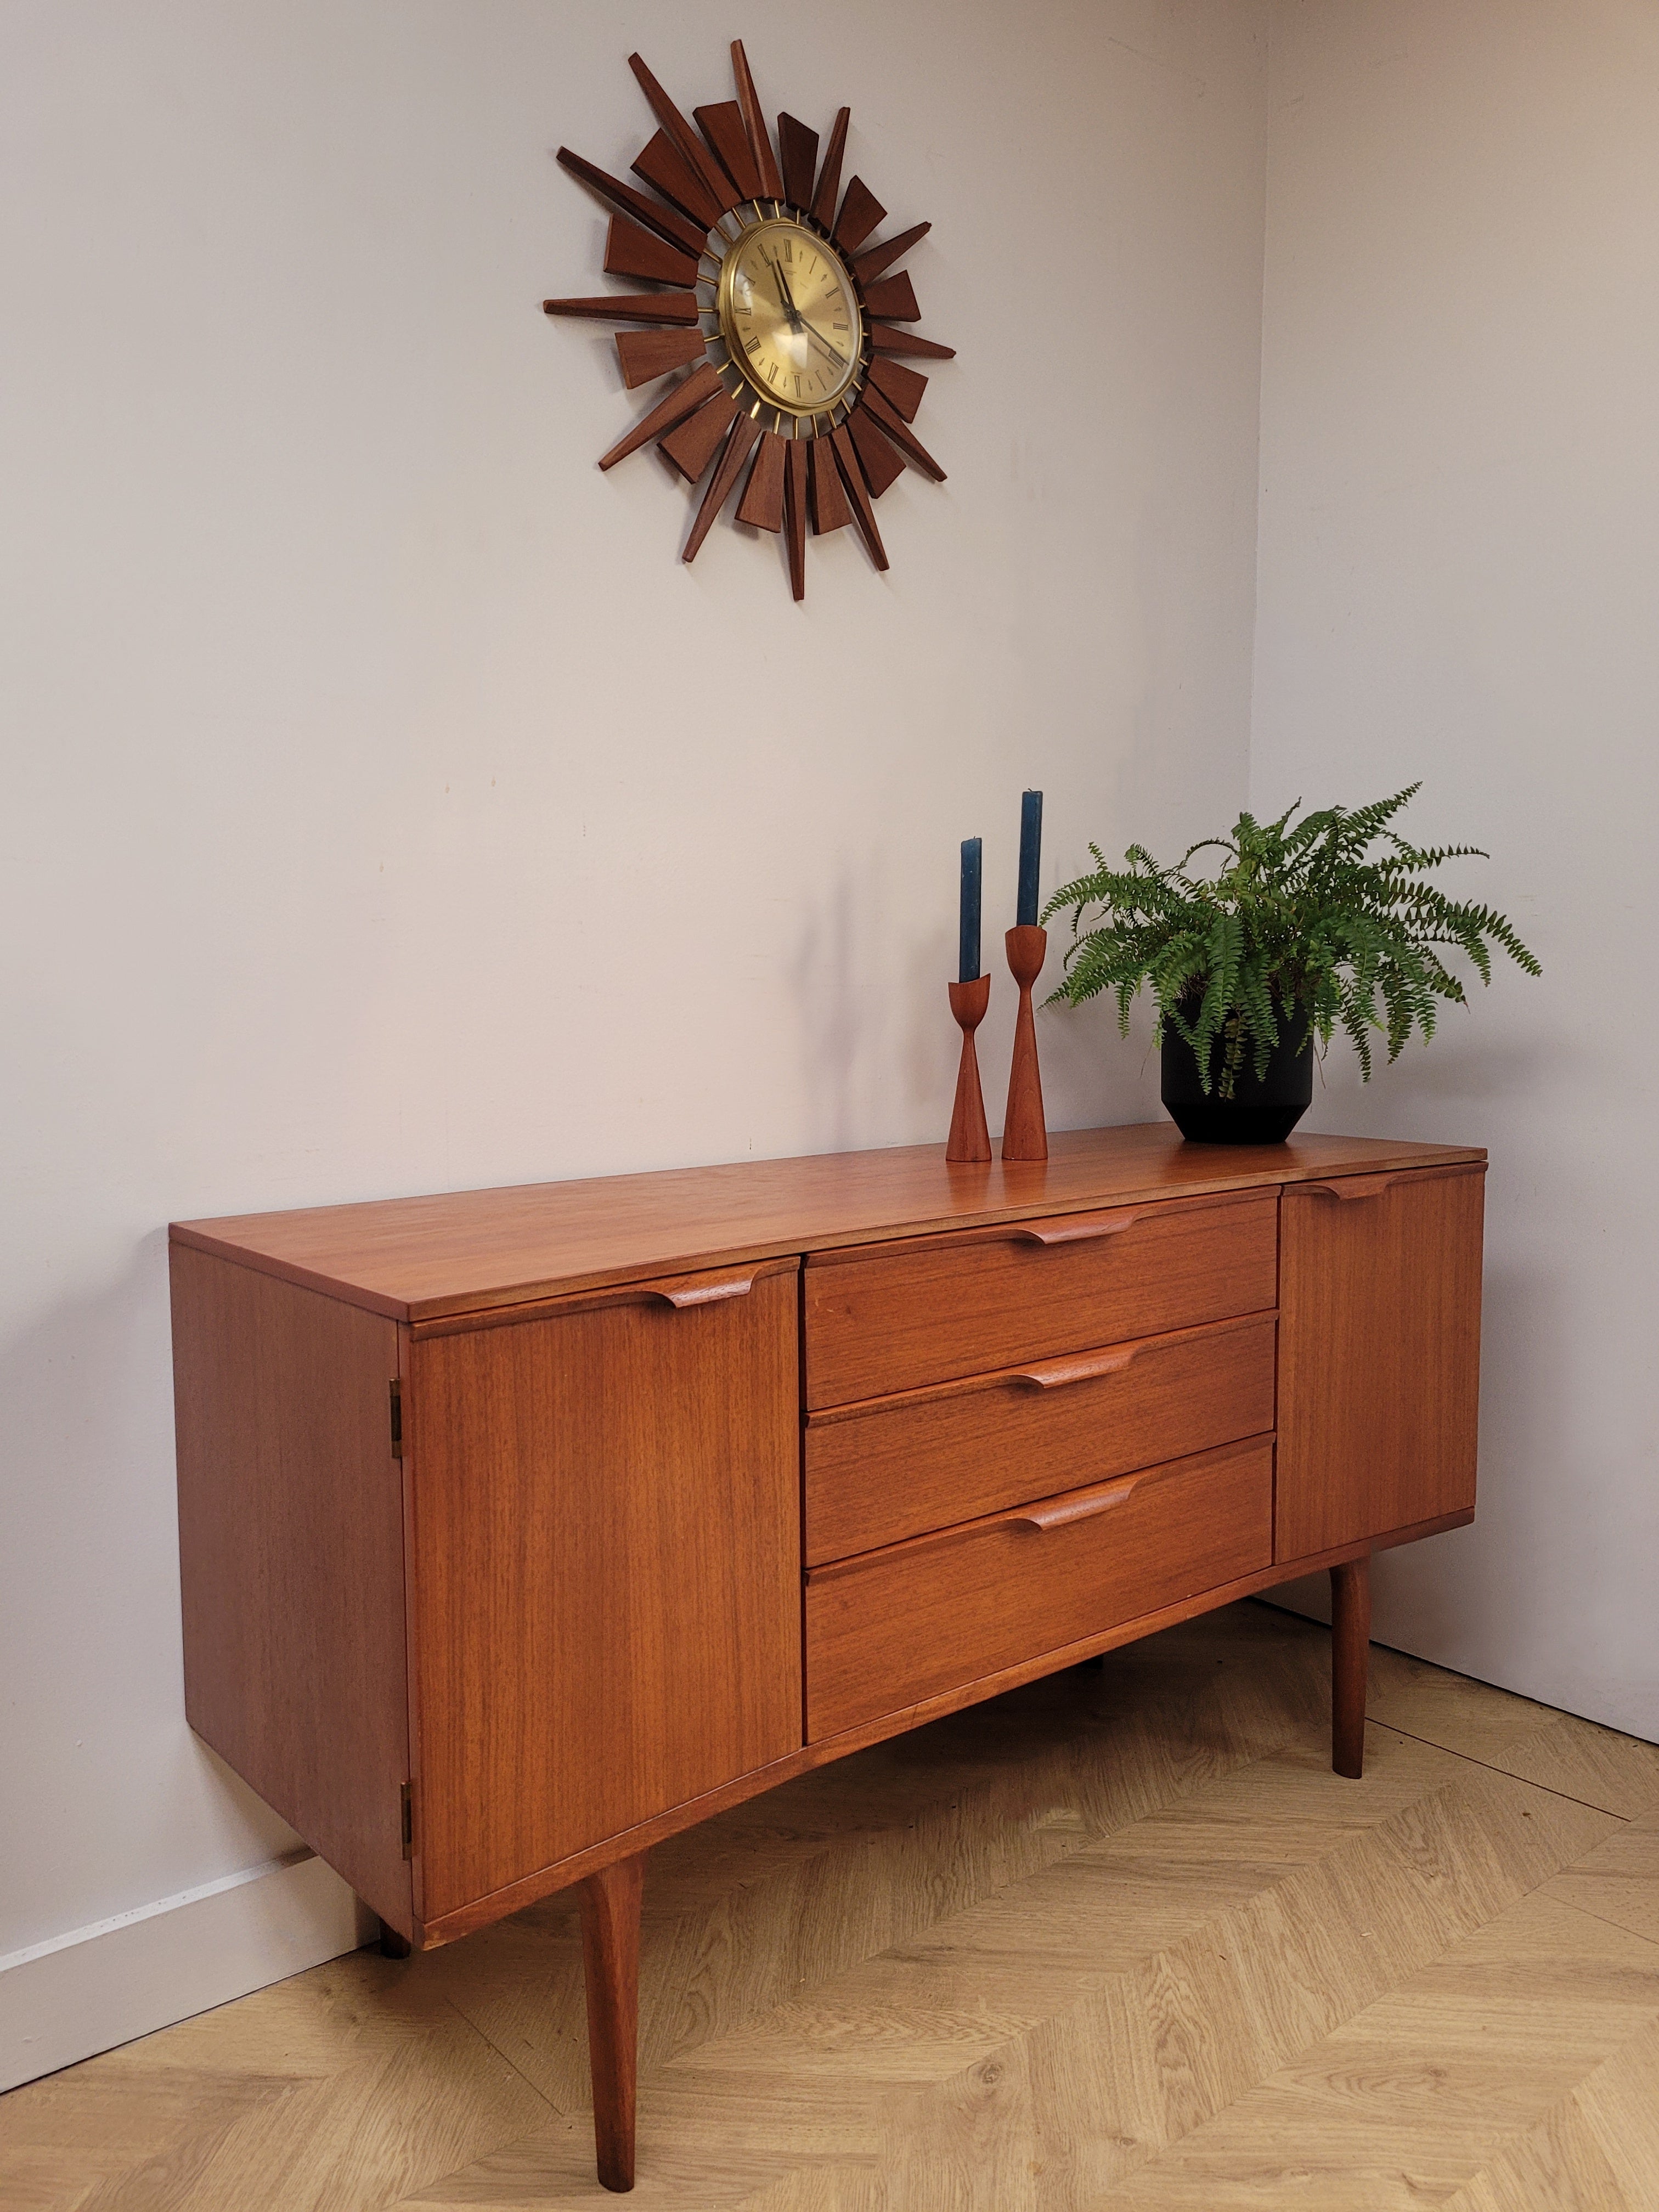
[{"x": 1309, "y": 925}]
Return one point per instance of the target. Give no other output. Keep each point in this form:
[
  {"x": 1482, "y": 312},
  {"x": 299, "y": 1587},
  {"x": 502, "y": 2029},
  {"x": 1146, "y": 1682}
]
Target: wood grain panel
[
  {"x": 742, "y": 434},
  {"x": 886, "y": 339},
  {"x": 684, "y": 399},
  {"x": 663, "y": 221},
  {"x": 1620, "y": 1883},
  {"x": 291, "y": 1559},
  {"x": 880, "y": 460},
  {"x": 1380, "y": 1354},
  {"x": 936, "y": 1308},
  {"x": 829, "y": 189},
  {"x": 899, "y": 1467},
  {"x": 794, "y": 513},
  {"x": 762, "y": 504},
  {"x": 902, "y": 436},
  {"x": 646, "y": 355},
  {"x": 797, "y": 146},
  {"x": 455, "y": 1252},
  {"x": 630, "y": 251},
  {"x": 894, "y": 297},
  {"x": 853, "y": 480},
  {"x": 667, "y": 170},
  {"x": 831, "y": 509},
  {"x": 608, "y": 1549},
  {"x": 754, "y": 123},
  {"x": 1573, "y": 1758},
  {"x": 860, "y": 211},
  {"x": 684, "y": 138},
  {"x": 722, "y": 126},
  {"x": 695, "y": 443},
  {"x": 897, "y": 1626},
  {"x": 902, "y": 388},
  {"x": 869, "y": 264},
  {"x": 670, "y": 309}
]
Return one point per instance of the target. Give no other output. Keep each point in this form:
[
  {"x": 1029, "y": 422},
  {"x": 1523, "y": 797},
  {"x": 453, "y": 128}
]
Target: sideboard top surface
[{"x": 458, "y": 1252}]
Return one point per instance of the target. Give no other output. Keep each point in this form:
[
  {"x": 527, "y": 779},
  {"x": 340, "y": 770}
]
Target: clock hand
[
  {"x": 797, "y": 320},
  {"x": 786, "y": 297},
  {"x": 813, "y": 331}
]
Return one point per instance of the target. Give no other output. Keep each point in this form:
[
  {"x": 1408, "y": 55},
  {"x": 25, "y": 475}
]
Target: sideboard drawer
[
  {"x": 898, "y": 1316},
  {"x": 890, "y": 1628},
  {"x": 892, "y": 1468}
]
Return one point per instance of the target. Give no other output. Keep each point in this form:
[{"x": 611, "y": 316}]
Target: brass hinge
[
  {"x": 396, "y": 1419},
  {"x": 406, "y": 1813}
]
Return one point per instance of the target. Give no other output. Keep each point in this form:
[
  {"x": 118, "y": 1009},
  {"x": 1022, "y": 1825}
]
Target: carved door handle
[
  {"x": 1350, "y": 1187},
  {"x": 682, "y": 1295},
  {"x": 1077, "y": 1228}
]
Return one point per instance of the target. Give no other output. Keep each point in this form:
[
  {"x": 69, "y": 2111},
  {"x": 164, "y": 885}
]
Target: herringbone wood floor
[{"x": 1119, "y": 1940}]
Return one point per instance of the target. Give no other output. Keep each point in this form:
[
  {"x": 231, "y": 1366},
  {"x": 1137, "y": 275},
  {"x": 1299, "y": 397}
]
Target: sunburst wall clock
[{"x": 783, "y": 321}]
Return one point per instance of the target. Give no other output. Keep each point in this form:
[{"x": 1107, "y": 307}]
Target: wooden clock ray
[{"x": 785, "y": 323}]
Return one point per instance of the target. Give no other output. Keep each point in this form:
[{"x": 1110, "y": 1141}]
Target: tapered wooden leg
[
  {"x": 1351, "y": 1651},
  {"x": 610, "y": 1959}
]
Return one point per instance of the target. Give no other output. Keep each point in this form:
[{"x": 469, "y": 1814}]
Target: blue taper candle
[
  {"x": 1030, "y": 857},
  {"x": 969, "y": 959}
]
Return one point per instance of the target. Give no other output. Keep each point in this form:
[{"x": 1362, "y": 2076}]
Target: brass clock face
[{"x": 789, "y": 313}]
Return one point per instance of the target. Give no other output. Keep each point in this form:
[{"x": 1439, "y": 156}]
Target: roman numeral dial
[{"x": 789, "y": 313}]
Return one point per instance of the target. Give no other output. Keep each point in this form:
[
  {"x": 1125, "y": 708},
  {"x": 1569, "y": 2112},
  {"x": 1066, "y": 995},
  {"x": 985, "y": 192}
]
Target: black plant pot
[{"x": 1261, "y": 1111}]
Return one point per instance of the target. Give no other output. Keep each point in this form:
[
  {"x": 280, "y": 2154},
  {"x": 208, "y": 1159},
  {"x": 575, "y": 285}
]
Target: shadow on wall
[
  {"x": 1091, "y": 1076},
  {"x": 1430, "y": 1602},
  {"x": 1465, "y": 1065}
]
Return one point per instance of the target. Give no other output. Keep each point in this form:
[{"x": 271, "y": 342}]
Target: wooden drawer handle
[
  {"x": 1083, "y": 1508},
  {"x": 1349, "y": 1188},
  {"x": 704, "y": 1294},
  {"x": 1057, "y": 1374},
  {"x": 1076, "y": 1229},
  {"x": 1084, "y": 1505}
]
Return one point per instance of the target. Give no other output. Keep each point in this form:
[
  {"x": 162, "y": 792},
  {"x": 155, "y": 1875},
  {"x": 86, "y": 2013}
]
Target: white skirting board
[{"x": 102, "y": 1985}]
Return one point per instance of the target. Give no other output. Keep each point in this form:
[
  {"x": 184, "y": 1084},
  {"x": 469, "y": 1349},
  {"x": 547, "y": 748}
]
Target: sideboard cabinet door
[
  {"x": 1379, "y": 1334},
  {"x": 606, "y": 1570}
]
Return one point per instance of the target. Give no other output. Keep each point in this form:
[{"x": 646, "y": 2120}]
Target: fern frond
[{"x": 1324, "y": 918}]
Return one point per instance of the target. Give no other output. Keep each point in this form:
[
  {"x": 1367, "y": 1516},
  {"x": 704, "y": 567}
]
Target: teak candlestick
[
  {"x": 1025, "y": 1132},
  {"x": 969, "y": 1138}
]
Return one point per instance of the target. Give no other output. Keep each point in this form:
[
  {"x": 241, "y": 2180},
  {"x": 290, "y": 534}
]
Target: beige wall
[
  {"x": 387, "y": 810},
  {"x": 1459, "y": 579}
]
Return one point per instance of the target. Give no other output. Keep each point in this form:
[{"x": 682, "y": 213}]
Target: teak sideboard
[{"x": 522, "y": 1528}]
